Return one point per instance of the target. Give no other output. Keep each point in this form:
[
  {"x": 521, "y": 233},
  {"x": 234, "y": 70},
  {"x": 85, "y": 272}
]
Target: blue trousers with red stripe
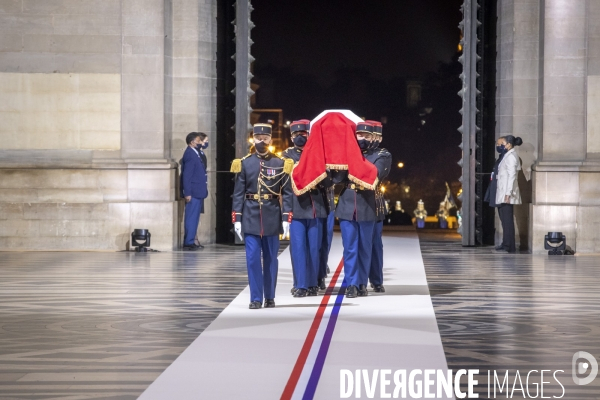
[
  {"x": 376, "y": 272},
  {"x": 262, "y": 276},
  {"x": 357, "y": 238},
  {"x": 306, "y": 236}
]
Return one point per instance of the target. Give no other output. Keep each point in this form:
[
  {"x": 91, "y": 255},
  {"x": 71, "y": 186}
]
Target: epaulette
[
  {"x": 288, "y": 165},
  {"x": 236, "y": 165}
]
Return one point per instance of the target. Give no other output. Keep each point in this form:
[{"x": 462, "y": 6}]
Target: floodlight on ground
[
  {"x": 555, "y": 243},
  {"x": 140, "y": 239}
]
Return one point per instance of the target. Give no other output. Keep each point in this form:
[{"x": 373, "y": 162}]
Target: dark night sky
[
  {"x": 406, "y": 37},
  {"x": 313, "y": 55}
]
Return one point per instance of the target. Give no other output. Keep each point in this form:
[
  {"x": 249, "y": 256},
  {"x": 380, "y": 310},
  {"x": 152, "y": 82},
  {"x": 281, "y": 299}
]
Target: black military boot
[
  {"x": 351, "y": 291},
  {"x": 293, "y": 290},
  {"x": 300, "y": 293},
  {"x": 322, "y": 285},
  {"x": 313, "y": 291},
  {"x": 269, "y": 303},
  {"x": 255, "y": 305},
  {"x": 362, "y": 291},
  {"x": 379, "y": 289}
]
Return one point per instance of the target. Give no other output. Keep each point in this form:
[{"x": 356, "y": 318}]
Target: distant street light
[
  {"x": 383, "y": 189},
  {"x": 400, "y": 165},
  {"x": 271, "y": 148}
]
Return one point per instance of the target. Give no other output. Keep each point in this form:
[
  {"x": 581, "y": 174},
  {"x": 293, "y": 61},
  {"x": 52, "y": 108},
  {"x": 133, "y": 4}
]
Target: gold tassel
[
  {"x": 236, "y": 166},
  {"x": 288, "y": 166}
]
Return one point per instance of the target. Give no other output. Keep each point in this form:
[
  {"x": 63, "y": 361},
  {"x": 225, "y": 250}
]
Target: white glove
[
  {"x": 237, "y": 227},
  {"x": 286, "y": 229}
]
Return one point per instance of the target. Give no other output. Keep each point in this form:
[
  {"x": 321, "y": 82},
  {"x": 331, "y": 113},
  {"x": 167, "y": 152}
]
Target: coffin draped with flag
[{"x": 332, "y": 144}]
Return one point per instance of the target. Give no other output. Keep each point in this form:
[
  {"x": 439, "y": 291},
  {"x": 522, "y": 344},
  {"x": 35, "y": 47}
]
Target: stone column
[
  {"x": 564, "y": 81},
  {"x": 143, "y": 79},
  {"x": 588, "y": 213},
  {"x": 190, "y": 91},
  {"x": 556, "y": 180},
  {"x": 518, "y": 79}
]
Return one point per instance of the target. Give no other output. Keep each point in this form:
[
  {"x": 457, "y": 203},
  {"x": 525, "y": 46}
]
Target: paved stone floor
[
  {"x": 105, "y": 325},
  {"x": 514, "y": 311}
]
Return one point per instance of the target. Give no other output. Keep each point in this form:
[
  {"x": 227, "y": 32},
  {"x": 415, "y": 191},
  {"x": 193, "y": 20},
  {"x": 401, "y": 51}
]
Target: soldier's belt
[
  {"x": 250, "y": 196},
  {"x": 354, "y": 186}
]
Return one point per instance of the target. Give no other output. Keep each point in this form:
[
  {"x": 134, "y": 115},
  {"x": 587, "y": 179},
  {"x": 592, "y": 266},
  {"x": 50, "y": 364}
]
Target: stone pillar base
[
  {"x": 552, "y": 218},
  {"x": 88, "y": 207},
  {"x": 566, "y": 199}
]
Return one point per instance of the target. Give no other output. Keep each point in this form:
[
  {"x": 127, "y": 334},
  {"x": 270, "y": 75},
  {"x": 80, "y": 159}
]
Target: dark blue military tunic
[
  {"x": 314, "y": 203},
  {"x": 382, "y": 157},
  {"x": 259, "y": 187},
  {"x": 355, "y": 203}
]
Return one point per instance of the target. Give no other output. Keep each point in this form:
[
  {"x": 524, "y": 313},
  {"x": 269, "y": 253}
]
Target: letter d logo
[{"x": 583, "y": 367}]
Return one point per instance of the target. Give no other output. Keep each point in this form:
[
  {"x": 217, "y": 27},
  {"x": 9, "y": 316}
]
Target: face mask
[
  {"x": 261, "y": 147},
  {"x": 363, "y": 144},
  {"x": 374, "y": 144},
  {"x": 204, "y": 146},
  {"x": 500, "y": 149},
  {"x": 300, "y": 141}
]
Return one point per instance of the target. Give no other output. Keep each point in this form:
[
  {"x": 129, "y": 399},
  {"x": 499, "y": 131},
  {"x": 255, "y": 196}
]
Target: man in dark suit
[
  {"x": 203, "y": 146},
  {"x": 193, "y": 187}
]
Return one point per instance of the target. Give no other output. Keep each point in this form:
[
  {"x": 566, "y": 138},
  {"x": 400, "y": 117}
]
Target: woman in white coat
[{"x": 503, "y": 191}]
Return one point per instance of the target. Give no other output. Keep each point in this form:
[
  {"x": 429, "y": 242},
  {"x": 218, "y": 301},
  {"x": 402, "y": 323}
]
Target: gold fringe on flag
[
  {"x": 308, "y": 187},
  {"x": 363, "y": 183}
]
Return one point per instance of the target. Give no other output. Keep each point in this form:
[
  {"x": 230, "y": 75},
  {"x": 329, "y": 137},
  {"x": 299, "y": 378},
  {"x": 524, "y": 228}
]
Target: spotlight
[
  {"x": 555, "y": 243},
  {"x": 140, "y": 239}
]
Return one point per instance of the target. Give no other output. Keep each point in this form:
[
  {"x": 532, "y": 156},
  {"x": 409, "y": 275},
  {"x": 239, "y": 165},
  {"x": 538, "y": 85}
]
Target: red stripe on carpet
[{"x": 310, "y": 337}]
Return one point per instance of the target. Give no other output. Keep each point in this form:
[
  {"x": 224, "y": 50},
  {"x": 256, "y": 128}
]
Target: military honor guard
[
  {"x": 382, "y": 159},
  {"x": 262, "y": 210},
  {"x": 357, "y": 212},
  {"x": 310, "y": 211},
  {"x": 334, "y": 149},
  {"x": 420, "y": 214}
]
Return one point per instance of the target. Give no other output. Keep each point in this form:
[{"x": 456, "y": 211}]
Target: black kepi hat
[{"x": 262, "y": 129}]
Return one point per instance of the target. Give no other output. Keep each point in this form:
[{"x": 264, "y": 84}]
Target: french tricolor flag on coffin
[{"x": 332, "y": 144}]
